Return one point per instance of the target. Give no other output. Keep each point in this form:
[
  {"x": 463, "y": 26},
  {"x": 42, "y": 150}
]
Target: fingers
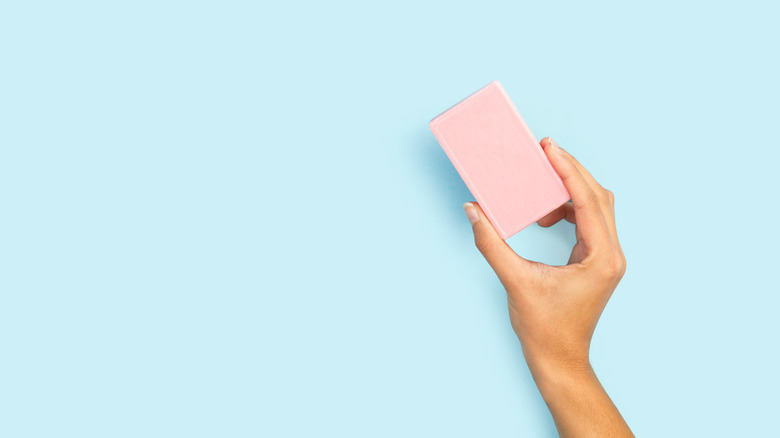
[
  {"x": 505, "y": 262},
  {"x": 565, "y": 211},
  {"x": 605, "y": 197},
  {"x": 585, "y": 203},
  {"x": 584, "y": 172}
]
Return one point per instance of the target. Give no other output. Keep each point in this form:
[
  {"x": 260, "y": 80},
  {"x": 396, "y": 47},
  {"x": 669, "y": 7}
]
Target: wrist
[{"x": 556, "y": 373}]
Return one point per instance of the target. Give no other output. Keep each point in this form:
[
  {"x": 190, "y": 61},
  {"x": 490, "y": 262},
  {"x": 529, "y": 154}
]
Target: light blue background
[{"x": 231, "y": 219}]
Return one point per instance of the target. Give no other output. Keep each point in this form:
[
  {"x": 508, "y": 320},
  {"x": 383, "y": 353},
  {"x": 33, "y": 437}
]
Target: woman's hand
[{"x": 554, "y": 309}]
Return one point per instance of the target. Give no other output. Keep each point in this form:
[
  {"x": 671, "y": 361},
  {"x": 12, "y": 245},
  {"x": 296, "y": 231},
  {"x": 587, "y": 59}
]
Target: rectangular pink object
[{"x": 499, "y": 159}]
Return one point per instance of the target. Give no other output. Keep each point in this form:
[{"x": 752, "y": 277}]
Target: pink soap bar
[{"x": 499, "y": 159}]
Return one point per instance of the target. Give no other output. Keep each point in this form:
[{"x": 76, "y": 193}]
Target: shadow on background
[{"x": 444, "y": 179}]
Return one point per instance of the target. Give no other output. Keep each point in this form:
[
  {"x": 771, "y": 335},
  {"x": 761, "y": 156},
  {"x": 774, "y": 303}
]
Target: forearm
[{"x": 578, "y": 403}]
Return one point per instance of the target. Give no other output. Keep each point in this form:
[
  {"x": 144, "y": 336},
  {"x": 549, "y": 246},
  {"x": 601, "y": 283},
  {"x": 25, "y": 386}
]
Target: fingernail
[
  {"x": 554, "y": 145},
  {"x": 471, "y": 212}
]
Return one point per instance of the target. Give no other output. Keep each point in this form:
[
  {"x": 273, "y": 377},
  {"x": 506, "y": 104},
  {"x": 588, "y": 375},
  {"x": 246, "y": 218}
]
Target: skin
[{"x": 554, "y": 309}]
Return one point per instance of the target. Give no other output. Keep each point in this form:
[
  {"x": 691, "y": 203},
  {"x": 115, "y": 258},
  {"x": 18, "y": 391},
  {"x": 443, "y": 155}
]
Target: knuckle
[
  {"x": 614, "y": 265},
  {"x": 625, "y": 265},
  {"x": 607, "y": 196}
]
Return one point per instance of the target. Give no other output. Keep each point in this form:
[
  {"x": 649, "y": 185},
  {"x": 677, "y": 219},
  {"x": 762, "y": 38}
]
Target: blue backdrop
[{"x": 231, "y": 219}]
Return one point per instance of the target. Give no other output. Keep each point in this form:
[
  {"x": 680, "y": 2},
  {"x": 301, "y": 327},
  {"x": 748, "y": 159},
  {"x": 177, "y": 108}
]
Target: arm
[
  {"x": 554, "y": 309},
  {"x": 578, "y": 403}
]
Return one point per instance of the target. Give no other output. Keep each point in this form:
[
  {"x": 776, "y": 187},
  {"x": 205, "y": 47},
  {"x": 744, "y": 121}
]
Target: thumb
[{"x": 501, "y": 257}]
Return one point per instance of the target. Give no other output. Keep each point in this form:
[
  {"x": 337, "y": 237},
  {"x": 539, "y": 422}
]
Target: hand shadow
[{"x": 451, "y": 192}]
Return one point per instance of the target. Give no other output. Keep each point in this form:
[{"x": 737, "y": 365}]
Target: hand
[{"x": 554, "y": 309}]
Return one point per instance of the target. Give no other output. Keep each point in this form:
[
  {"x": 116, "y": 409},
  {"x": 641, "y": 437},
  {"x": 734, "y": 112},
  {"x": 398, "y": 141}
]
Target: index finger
[
  {"x": 590, "y": 218},
  {"x": 607, "y": 199}
]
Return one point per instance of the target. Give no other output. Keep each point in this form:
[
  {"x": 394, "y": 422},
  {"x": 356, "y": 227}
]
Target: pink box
[{"x": 499, "y": 159}]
